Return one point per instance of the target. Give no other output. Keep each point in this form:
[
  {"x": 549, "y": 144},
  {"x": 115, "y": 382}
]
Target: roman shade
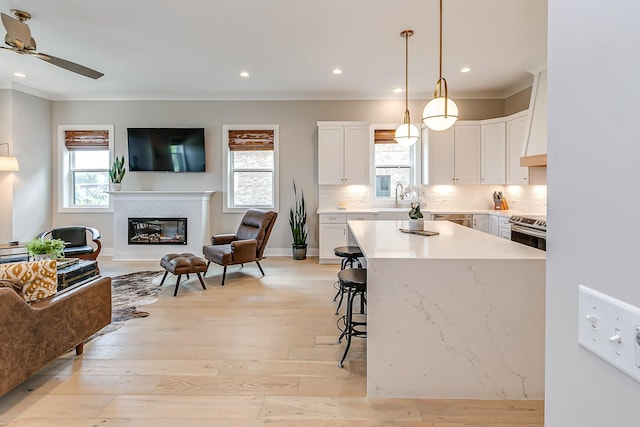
[
  {"x": 251, "y": 140},
  {"x": 86, "y": 139},
  {"x": 384, "y": 136}
]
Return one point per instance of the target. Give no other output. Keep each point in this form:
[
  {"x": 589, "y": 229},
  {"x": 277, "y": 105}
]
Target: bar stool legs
[{"x": 354, "y": 282}]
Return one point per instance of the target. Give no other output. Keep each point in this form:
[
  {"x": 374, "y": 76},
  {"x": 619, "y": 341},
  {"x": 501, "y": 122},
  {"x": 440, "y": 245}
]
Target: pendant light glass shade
[
  {"x": 433, "y": 114},
  {"x": 407, "y": 133},
  {"x": 441, "y": 112}
]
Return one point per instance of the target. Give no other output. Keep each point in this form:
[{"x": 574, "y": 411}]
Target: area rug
[{"x": 128, "y": 292}]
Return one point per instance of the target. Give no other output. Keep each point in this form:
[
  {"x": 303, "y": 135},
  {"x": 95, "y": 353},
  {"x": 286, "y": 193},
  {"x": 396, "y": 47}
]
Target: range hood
[{"x": 534, "y": 148}]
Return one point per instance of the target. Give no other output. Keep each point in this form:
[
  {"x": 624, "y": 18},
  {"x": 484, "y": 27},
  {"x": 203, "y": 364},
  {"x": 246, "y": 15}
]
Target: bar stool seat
[
  {"x": 349, "y": 255},
  {"x": 354, "y": 281}
]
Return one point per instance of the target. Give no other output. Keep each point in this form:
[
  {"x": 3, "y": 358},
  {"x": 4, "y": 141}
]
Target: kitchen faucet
[{"x": 402, "y": 187}]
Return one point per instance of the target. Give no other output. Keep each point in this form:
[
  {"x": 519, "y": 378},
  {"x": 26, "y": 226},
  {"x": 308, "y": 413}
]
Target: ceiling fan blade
[
  {"x": 17, "y": 31},
  {"x": 68, "y": 65}
]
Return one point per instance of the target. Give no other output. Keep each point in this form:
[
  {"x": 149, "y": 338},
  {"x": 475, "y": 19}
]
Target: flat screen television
[{"x": 166, "y": 149}]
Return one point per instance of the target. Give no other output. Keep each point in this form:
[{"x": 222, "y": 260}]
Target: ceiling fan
[{"x": 20, "y": 41}]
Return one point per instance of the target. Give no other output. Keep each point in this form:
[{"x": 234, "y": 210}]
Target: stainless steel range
[{"x": 529, "y": 230}]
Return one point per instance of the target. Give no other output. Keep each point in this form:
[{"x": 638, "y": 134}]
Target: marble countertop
[{"x": 383, "y": 240}]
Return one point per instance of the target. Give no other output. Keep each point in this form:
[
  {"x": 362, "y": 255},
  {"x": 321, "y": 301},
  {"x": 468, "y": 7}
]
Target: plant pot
[
  {"x": 299, "y": 251},
  {"x": 416, "y": 224},
  {"x": 115, "y": 186},
  {"x": 41, "y": 257}
]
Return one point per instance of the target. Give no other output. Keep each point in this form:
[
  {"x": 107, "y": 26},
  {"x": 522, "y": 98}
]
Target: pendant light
[
  {"x": 441, "y": 112},
  {"x": 406, "y": 133}
]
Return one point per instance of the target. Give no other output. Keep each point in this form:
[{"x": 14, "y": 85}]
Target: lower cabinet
[
  {"x": 333, "y": 232},
  {"x": 500, "y": 226},
  {"x": 481, "y": 222}
]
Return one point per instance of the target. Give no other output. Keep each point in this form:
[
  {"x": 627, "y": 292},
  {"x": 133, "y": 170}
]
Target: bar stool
[
  {"x": 349, "y": 255},
  {"x": 354, "y": 281}
]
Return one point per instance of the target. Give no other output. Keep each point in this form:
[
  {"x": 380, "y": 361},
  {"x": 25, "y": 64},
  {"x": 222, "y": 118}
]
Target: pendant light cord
[{"x": 406, "y": 34}]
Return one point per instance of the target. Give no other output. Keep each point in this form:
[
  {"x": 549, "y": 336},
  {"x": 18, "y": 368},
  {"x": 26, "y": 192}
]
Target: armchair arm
[
  {"x": 244, "y": 250},
  {"x": 222, "y": 239}
]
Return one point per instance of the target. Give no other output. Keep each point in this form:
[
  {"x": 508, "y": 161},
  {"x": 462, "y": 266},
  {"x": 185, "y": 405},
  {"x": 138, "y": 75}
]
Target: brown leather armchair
[
  {"x": 76, "y": 241},
  {"x": 247, "y": 245}
]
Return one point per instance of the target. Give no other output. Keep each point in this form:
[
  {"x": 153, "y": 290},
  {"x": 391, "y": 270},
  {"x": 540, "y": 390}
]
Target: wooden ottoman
[{"x": 179, "y": 264}]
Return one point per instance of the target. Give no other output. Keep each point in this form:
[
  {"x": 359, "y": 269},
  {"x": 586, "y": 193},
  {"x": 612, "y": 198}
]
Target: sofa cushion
[{"x": 39, "y": 278}]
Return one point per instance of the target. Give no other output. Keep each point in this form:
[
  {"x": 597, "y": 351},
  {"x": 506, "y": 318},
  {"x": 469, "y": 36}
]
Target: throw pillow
[{"x": 39, "y": 278}]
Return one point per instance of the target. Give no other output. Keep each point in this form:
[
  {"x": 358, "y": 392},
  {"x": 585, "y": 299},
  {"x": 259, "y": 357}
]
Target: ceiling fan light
[
  {"x": 433, "y": 114},
  {"x": 407, "y": 134}
]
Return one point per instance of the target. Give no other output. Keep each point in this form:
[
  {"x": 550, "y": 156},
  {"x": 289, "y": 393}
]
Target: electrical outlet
[{"x": 610, "y": 329}]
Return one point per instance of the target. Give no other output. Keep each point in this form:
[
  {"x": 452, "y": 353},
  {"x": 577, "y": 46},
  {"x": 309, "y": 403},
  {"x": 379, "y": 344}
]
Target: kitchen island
[{"x": 456, "y": 315}]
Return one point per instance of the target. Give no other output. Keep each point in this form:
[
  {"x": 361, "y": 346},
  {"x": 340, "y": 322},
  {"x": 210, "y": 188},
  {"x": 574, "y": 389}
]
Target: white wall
[
  {"x": 31, "y": 124},
  {"x": 298, "y": 146},
  {"x": 6, "y": 178},
  {"x": 593, "y": 178}
]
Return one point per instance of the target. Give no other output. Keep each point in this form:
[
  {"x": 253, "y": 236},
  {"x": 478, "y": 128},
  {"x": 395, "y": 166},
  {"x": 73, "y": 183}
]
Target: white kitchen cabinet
[
  {"x": 515, "y": 131},
  {"x": 493, "y": 153},
  {"x": 494, "y": 225},
  {"x": 504, "y": 228},
  {"x": 454, "y": 155},
  {"x": 481, "y": 222},
  {"x": 467, "y": 154},
  {"x": 333, "y": 233},
  {"x": 343, "y": 153}
]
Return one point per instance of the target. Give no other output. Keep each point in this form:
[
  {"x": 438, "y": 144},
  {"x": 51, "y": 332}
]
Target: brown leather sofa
[
  {"x": 33, "y": 335},
  {"x": 247, "y": 245}
]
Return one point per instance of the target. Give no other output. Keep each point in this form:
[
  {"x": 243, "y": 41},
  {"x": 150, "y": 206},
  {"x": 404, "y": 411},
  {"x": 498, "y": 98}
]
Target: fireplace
[{"x": 157, "y": 231}]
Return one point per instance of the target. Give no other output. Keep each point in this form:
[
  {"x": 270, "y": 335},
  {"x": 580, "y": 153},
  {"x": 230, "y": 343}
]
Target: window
[
  {"x": 393, "y": 163},
  {"x": 84, "y": 166},
  {"x": 251, "y": 154}
]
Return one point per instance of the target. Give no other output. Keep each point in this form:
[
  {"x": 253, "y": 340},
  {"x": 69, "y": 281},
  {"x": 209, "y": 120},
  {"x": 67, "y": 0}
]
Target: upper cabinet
[
  {"x": 343, "y": 153},
  {"x": 477, "y": 152},
  {"x": 515, "y": 130},
  {"x": 454, "y": 155},
  {"x": 534, "y": 150},
  {"x": 493, "y": 153}
]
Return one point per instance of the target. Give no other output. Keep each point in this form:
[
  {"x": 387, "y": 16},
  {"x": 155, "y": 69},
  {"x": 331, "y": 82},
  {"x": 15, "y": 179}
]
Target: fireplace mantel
[
  {"x": 161, "y": 194},
  {"x": 193, "y": 205}
]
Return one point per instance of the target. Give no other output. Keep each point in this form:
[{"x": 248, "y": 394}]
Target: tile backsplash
[{"x": 525, "y": 198}]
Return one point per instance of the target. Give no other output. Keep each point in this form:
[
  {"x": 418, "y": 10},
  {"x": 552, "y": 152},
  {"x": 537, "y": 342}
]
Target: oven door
[{"x": 527, "y": 236}]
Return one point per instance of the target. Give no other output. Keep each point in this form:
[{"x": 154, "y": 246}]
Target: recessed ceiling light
[
  {"x": 20, "y": 75},
  {"x": 398, "y": 90},
  {"x": 244, "y": 74},
  {"x": 465, "y": 69},
  {"x": 337, "y": 71}
]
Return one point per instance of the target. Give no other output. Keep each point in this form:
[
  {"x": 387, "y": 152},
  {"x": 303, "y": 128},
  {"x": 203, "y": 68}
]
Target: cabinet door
[
  {"x": 516, "y": 174},
  {"x": 330, "y": 237},
  {"x": 494, "y": 225},
  {"x": 467, "y": 154},
  {"x": 493, "y": 153},
  {"x": 356, "y": 154},
  {"x": 481, "y": 222},
  {"x": 330, "y": 155},
  {"x": 440, "y": 160}
]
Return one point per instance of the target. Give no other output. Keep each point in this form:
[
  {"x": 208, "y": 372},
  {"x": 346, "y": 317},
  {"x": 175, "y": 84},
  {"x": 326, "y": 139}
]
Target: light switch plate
[{"x": 610, "y": 328}]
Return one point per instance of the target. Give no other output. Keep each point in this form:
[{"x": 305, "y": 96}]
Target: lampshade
[
  {"x": 407, "y": 133},
  {"x": 433, "y": 114},
  {"x": 441, "y": 112},
  {"x": 9, "y": 164}
]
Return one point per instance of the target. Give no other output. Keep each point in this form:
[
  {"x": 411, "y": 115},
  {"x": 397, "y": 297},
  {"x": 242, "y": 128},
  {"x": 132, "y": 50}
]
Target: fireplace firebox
[{"x": 157, "y": 231}]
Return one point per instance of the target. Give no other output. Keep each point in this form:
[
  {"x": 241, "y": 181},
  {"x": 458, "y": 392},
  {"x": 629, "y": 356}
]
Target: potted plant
[
  {"x": 416, "y": 219},
  {"x": 298, "y": 224},
  {"x": 117, "y": 171},
  {"x": 45, "y": 249}
]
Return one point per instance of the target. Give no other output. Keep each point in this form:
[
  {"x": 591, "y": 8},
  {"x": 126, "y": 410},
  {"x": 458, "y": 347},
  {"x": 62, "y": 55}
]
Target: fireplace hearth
[{"x": 157, "y": 231}]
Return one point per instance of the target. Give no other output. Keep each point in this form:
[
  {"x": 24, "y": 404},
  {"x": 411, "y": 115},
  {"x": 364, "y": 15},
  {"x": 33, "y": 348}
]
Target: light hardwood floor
[{"x": 260, "y": 351}]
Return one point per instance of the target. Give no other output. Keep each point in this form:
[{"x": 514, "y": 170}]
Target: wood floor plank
[{"x": 258, "y": 352}]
